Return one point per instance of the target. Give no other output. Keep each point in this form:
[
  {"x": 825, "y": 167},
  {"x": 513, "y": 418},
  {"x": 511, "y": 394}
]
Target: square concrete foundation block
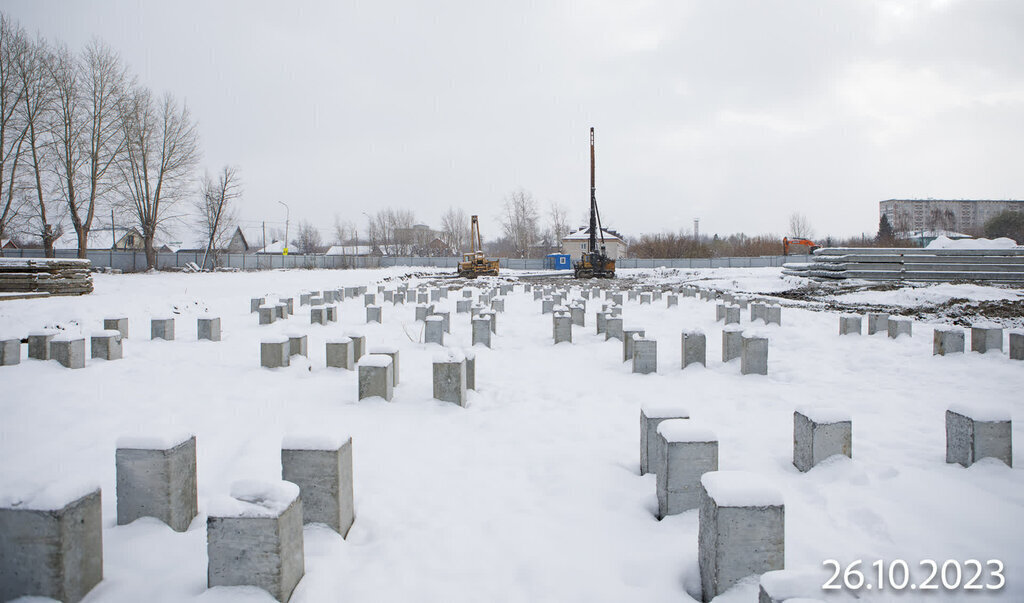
[
  {"x": 758, "y": 311},
  {"x": 631, "y": 295},
  {"x": 732, "y": 315},
  {"x": 69, "y": 351},
  {"x": 316, "y": 300},
  {"x": 645, "y": 356},
  {"x": 975, "y": 432},
  {"x": 358, "y": 345},
  {"x": 281, "y": 311},
  {"x": 579, "y": 316},
  {"x": 423, "y": 311},
  {"x": 369, "y": 299},
  {"x": 10, "y": 352},
  {"x": 446, "y": 320},
  {"x": 318, "y": 315},
  {"x": 900, "y": 326},
  {"x": 732, "y": 343},
  {"x": 671, "y": 300},
  {"x": 298, "y": 345},
  {"x": 754, "y": 355},
  {"x": 651, "y": 415},
  {"x": 433, "y": 330},
  {"x": 339, "y": 354},
  {"x": 538, "y": 294},
  {"x": 482, "y": 331},
  {"x": 470, "y": 370},
  {"x": 422, "y": 298},
  {"x": 450, "y": 379},
  {"x": 51, "y": 544},
  {"x": 687, "y": 452},
  {"x": 627, "y": 341},
  {"x": 467, "y": 293},
  {"x": 393, "y": 353},
  {"x": 39, "y": 344},
  {"x": 462, "y": 306},
  {"x": 304, "y": 298},
  {"x": 1016, "y": 346},
  {"x": 373, "y": 314},
  {"x": 645, "y": 299},
  {"x": 547, "y": 306},
  {"x": 561, "y": 330},
  {"x": 208, "y": 329},
  {"x": 267, "y": 315},
  {"x": 878, "y": 322},
  {"x": 116, "y": 324},
  {"x": 331, "y": 313},
  {"x": 985, "y": 339},
  {"x": 741, "y": 530},
  {"x": 719, "y": 312},
  {"x": 156, "y": 477},
  {"x": 322, "y": 469},
  {"x": 947, "y": 340},
  {"x": 106, "y": 345},
  {"x": 376, "y": 377},
  {"x": 694, "y": 348},
  {"x": 773, "y": 315},
  {"x": 849, "y": 324},
  {"x": 389, "y": 296},
  {"x": 820, "y": 433},
  {"x": 289, "y": 305},
  {"x": 613, "y": 328},
  {"x": 256, "y": 302},
  {"x": 161, "y": 328},
  {"x": 274, "y": 352},
  {"x": 601, "y": 322},
  {"x": 254, "y": 538}
]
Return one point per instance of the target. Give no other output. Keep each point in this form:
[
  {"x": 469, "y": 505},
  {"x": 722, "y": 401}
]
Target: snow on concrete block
[
  {"x": 694, "y": 348},
  {"x": 878, "y": 322},
  {"x": 1016, "y": 345},
  {"x": 579, "y": 315},
  {"x": 156, "y": 477},
  {"x": 498, "y": 304},
  {"x": 450, "y": 378},
  {"x": 391, "y": 351},
  {"x": 423, "y": 311},
  {"x": 267, "y": 315},
  {"x": 628, "y": 337},
  {"x": 645, "y": 299},
  {"x": 281, "y": 311},
  {"x": 986, "y": 338},
  {"x": 757, "y": 311},
  {"x": 161, "y": 328},
  {"x": 254, "y": 538},
  {"x": 482, "y": 331},
  {"x": 376, "y": 377},
  {"x": 69, "y": 350},
  {"x": 462, "y": 306},
  {"x": 613, "y": 328},
  {"x": 446, "y": 320},
  {"x": 10, "y": 352},
  {"x": 289, "y": 305},
  {"x": 369, "y": 299},
  {"x": 298, "y": 344},
  {"x": 732, "y": 343},
  {"x": 304, "y": 298},
  {"x": 741, "y": 530},
  {"x": 687, "y": 452},
  {"x": 900, "y": 326},
  {"x": 651, "y": 415},
  {"x": 39, "y": 344},
  {"x": 719, "y": 312},
  {"x": 117, "y": 324},
  {"x": 322, "y": 469},
  {"x": 601, "y": 322},
  {"x": 433, "y": 330},
  {"x": 373, "y": 314},
  {"x": 274, "y": 352},
  {"x": 256, "y": 302},
  {"x": 208, "y": 329},
  {"x": 561, "y": 329},
  {"x": 547, "y": 305},
  {"x": 645, "y": 356},
  {"x": 106, "y": 344},
  {"x": 947, "y": 340},
  {"x": 789, "y": 586},
  {"x": 820, "y": 433},
  {"x": 339, "y": 353},
  {"x": 317, "y": 315},
  {"x": 754, "y": 355},
  {"x": 470, "y": 370},
  {"x": 51, "y": 542},
  {"x": 631, "y": 294},
  {"x": 732, "y": 315},
  {"x": 974, "y": 432},
  {"x": 849, "y": 324}
]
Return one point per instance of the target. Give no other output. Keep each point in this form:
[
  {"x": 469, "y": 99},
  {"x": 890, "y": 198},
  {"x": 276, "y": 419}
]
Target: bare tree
[
  {"x": 217, "y": 211},
  {"x": 345, "y": 231},
  {"x": 455, "y": 229},
  {"x": 13, "y": 44},
  {"x": 161, "y": 151},
  {"x": 519, "y": 221},
  {"x": 559, "y": 225},
  {"x": 308, "y": 238},
  {"x": 87, "y": 135},
  {"x": 800, "y": 226}
]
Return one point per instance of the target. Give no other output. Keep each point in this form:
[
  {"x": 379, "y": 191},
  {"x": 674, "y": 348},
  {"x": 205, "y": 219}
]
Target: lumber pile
[
  {"x": 45, "y": 275},
  {"x": 924, "y": 265}
]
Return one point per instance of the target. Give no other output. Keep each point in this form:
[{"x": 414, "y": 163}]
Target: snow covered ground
[{"x": 533, "y": 492}]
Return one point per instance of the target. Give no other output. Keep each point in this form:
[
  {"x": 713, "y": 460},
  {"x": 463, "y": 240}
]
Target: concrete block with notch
[
  {"x": 900, "y": 326},
  {"x": 651, "y": 415},
  {"x": 156, "y": 477},
  {"x": 987, "y": 338},
  {"x": 275, "y": 352},
  {"x": 645, "y": 356},
  {"x": 10, "y": 352},
  {"x": 732, "y": 343},
  {"x": 754, "y": 355},
  {"x": 339, "y": 353},
  {"x": 161, "y": 328},
  {"x": 450, "y": 378},
  {"x": 849, "y": 324},
  {"x": 208, "y": 328},
  {"x": 687, "y": 451},
  {"x": 119, "y": 324},
  {"x": 820, "y": 433},
  {"x": 694, "y": 348},
  {"x": 376, "y": 377},
  {"x": 482, "y": 331},
  {"x": 878, "y": 322},
  {"x": 69, "y": 350},
  {"x": 107, "y": 344},
  {"x": 947, "y": 340},
  {"x": 322, "y": 469},
  {"x": 974, "y": 432}
]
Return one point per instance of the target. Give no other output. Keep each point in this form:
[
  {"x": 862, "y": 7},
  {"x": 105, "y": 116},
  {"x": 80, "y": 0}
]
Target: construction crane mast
[{"x": 595, "y": 262}]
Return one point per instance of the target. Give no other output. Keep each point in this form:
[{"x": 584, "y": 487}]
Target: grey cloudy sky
[{"x": 738, "y": 112}]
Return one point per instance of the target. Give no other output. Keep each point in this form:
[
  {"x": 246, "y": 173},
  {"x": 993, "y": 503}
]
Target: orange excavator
[{"x": 800, "y": 246}]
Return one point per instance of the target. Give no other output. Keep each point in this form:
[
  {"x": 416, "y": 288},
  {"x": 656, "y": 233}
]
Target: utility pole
[
  {"x": 264, "y": 242},
  {"x": 287, "y": 213},
  {"x": 696, "y": 229}
]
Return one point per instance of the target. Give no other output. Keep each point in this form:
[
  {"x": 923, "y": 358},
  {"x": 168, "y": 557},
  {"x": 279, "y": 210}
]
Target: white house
[
  {"x": 360, "y": 250},
  {"x": 575, "y": 243}
]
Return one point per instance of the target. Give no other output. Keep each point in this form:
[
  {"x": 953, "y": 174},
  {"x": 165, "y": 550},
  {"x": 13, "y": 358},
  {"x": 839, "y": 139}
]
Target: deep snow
[{"x": 533, "y": 492}]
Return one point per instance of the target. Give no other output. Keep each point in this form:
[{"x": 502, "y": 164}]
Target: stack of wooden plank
[
  {"x": 927, "y": 265},
  {"x": 45, "y": 275}
]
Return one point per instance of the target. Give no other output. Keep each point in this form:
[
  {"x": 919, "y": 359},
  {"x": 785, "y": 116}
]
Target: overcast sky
[{"x": 737, "y": 112}]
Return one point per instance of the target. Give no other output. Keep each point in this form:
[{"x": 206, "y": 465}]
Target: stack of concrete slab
[
  {"x": 928, "y": 265},
  {"x": 45, "y": 275}
]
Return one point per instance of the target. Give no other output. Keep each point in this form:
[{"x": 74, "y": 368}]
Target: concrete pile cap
[
  {"x": 49, "y": 497},
  {"x": 941, "y": 328},
  {"x": 740, "y": 489},
  {"x": 684, "y": 430},
  {"x": 383, "y": 349},
  {"x": 340, "y": 340},
  {"x": 758, "y": 333},
  {"x": 435, "y": 319},
  {"x": 733, "y": 329},
  {"x": 376, "y": 360},
  {"x": 449, "y": 356},
  {"x": 67, "y": 336},
  {"x": 849, "y": 315},
  {"x": 656, "y": 410},
  {"x": 254, "y": 498},
  {"x": 315, "y": 442},
  {"x": 986, "y": 413},
  {"x": 469, "y": 354},
  {"x": 274, "y": 340},
  {"x": 900, "y": 319},
  {"x": 986, "y": 325},
  {"x": 374, "y": 306},
  {"x": 294, "y": 335},
  {"x": 156, "y": 441},
  {"x": 824, "y": 414},
  {"x": 107, "y": 333}
]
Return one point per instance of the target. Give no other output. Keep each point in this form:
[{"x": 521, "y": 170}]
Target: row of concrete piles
[
  {"x": 741, "y": 529},
  {"x": 68, "y": 348},
  {"x": 945, "y": 339},
  {"x": 51, "y": 542}
]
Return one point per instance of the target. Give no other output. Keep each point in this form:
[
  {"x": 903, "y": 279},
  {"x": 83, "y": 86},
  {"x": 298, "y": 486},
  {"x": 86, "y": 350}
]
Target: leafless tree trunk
[
  {"x": 455, "y": 229},
  {"x": 217, "y": 210},
  {"x": 161, "y": 151},
  {"x": 800, "y": 226},
  {"x": 13, "y": 44},
  {"x": 519, "y": 221},
  {"x": 559, "y": 224},
  {"x": 87, "y": 133},
  {"x": 345, "y": 232},
  {"x": 308, "y": 238}
]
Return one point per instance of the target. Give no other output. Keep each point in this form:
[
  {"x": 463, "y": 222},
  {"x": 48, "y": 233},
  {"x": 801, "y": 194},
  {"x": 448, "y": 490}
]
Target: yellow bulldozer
[{"x": 475, "y": 263}]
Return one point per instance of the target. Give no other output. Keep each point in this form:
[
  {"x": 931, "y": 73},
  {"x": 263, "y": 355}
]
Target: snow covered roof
[
  {"x": 583, "y": 234},
  {"x": 350, "y": 250},
  {"x": 275, "y": 247}
]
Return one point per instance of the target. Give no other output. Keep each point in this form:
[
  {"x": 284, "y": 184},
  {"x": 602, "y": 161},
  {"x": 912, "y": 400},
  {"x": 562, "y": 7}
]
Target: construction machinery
[
  {"x": 595, "y": 262},
  {"x": 475, "y": 263},
  {"x": 800, "y": 246}
]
